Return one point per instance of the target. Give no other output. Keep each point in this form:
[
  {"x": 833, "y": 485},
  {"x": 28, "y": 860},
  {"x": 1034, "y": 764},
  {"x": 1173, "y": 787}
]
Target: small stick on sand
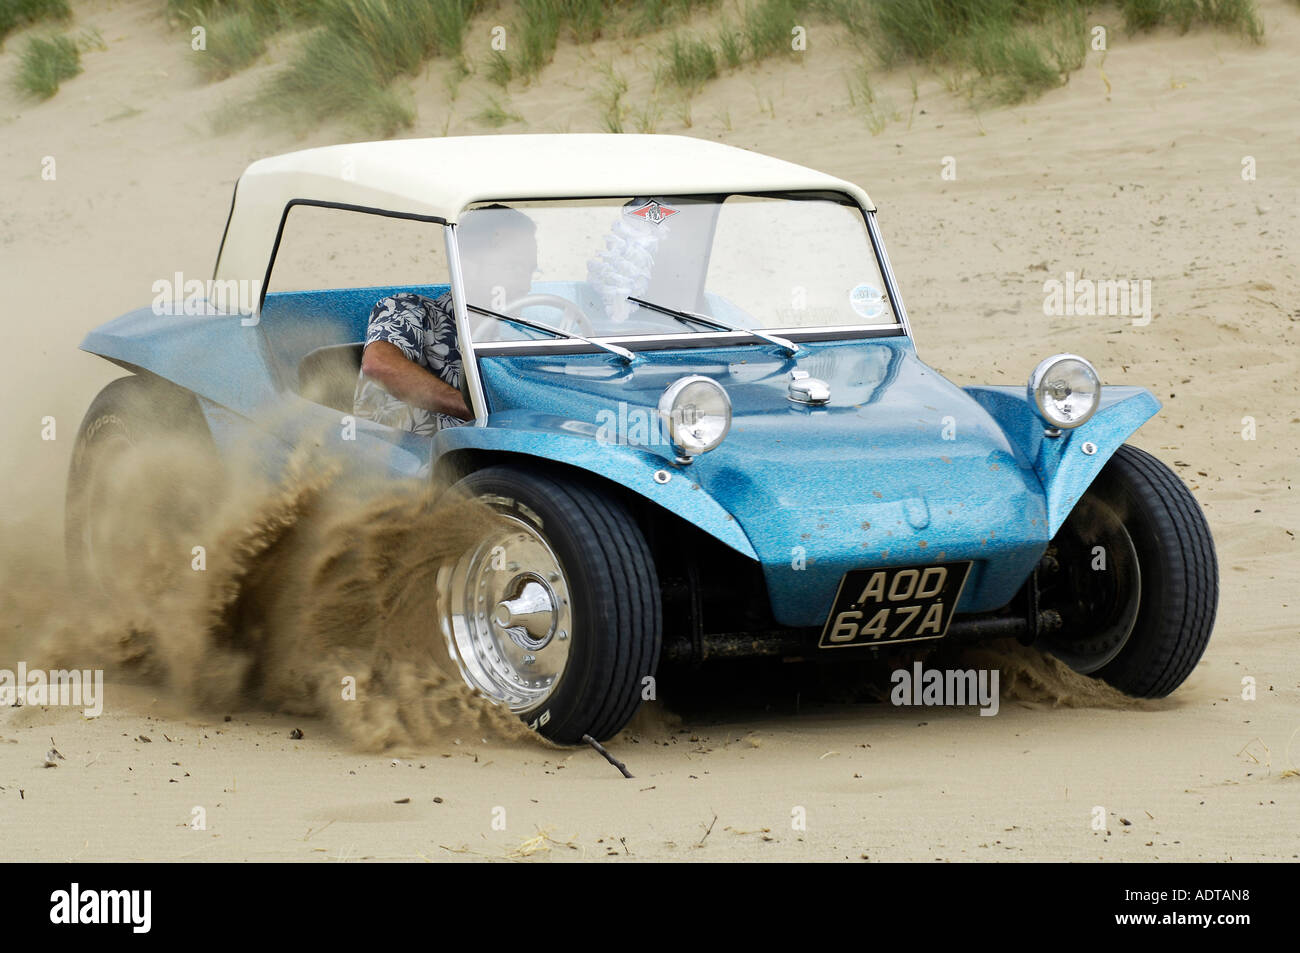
[
  {"x": 606, "y": 755},
  {"x": 708, "y": 832}
]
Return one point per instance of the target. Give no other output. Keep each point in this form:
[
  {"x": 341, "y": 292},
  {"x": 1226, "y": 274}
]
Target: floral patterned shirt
[{"x": 423, "y": 329}]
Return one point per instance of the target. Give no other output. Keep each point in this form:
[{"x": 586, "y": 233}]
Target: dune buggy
[{"x": 704, "y": 423}]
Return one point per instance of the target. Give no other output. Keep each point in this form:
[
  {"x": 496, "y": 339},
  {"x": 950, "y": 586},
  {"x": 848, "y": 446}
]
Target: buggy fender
[
  {"x": 213, "y": 355},
  {"x": 545, "y": 438},
  {"x": 1064, "y": 465}
]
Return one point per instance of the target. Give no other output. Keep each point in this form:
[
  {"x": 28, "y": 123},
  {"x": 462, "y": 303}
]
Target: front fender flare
[
  {"x": 630, "y": 467},
  {"x": 1063, "y": 468}
]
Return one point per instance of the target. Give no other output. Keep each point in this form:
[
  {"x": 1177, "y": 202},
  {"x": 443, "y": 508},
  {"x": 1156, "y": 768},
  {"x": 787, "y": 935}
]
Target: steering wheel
[{"x": 579, "y": 323}]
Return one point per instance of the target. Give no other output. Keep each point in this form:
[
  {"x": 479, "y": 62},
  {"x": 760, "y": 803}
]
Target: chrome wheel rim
[{"x": 506, "y": 615}]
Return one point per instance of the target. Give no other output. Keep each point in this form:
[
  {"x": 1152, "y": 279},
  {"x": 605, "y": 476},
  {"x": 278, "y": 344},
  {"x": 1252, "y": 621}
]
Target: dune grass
[
  {"x": 333, "y": 78},
  {"x": 346, "y": 66},
  {"x": 587, "y": 19},
  {"x": 767, "y": 24},
  {"x": 1239, "y": 16},
  {"x": 876, "y": 112},
  {"x": 1004, "y": 51},
  {"x": 1012, "y": 50},
  {"x": 234, "y": 41},
  {"x": 237, "y": 32},
  {"x": 269, "y": 14},
  {"x": 648, "y": 16},
  {"x": 689, "y": 62},
  {"x": 539, "y": 25},
  {"x": 448, "y": 22},
  {"x": 609, "y": 98},
  {"x": 46, "y": 62},
  {"x": 499, "y": 69},
  {"x": 495, "y": 114},
  {"x": 536, "y": 35},
  {"x": 15, "y": 14},
  {"x": 1021, "y": 61},
  {"x": 731, "y": 46}
]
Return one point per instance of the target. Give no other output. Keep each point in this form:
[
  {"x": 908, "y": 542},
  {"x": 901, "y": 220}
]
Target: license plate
[{"x": 900, "y": 604}]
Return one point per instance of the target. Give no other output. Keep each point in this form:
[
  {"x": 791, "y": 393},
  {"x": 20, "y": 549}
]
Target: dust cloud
[{"x": 305, "y": 587}]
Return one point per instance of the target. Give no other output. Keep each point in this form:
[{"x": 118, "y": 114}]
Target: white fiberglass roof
[{"x": 440, "y": 177}]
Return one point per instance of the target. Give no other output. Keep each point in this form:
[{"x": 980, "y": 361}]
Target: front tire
[
  {"x": 1136, "y": 578},
  {"x": 556, "y": 611}
]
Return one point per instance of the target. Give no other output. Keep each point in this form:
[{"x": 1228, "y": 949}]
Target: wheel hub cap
[
  {"x": 506, "y": 615},
  {"x": 528, "y": 617}
]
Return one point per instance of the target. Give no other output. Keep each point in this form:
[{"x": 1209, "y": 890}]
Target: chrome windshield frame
[
  {"x": 887, "y": 271},
  {"x": 465, "y": 339}
]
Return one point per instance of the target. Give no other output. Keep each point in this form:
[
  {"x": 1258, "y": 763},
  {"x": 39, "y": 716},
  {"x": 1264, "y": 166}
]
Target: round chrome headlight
[
  {"x": 1066, "y": 390},
  {"x": 697, "y": 413}
]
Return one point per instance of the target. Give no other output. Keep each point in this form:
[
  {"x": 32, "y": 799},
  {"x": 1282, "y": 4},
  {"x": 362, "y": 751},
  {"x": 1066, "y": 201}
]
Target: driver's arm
[{"x": 385, "y": 364}]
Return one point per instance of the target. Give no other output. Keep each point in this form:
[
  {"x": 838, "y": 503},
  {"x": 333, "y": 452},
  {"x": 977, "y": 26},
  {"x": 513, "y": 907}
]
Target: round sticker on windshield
[{"x": 867, "y": 300}]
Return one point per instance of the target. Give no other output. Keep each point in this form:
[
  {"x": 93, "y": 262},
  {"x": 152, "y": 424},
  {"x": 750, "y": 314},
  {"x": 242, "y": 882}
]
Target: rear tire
[
  {"x": 128, "y": 414},
  {"x": 584, "y": 557},
  {"x": 1174, "y": 589}
]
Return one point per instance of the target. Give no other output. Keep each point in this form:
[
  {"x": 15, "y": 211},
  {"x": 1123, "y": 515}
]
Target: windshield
[{"x": 653, "y": 266}]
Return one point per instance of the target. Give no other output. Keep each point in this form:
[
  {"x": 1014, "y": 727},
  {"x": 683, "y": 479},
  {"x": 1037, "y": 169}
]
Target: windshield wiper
[
  {"x": 717, "y": 324},
  {"x": 614, "y": 349}
]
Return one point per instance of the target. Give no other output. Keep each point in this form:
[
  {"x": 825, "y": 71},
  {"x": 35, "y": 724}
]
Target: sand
[{"x": 1132, "y": 170}]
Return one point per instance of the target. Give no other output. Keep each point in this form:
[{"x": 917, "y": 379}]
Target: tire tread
[
  {"x": 1189, "y": 572},
  {"x": 628, "y": 610}
]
